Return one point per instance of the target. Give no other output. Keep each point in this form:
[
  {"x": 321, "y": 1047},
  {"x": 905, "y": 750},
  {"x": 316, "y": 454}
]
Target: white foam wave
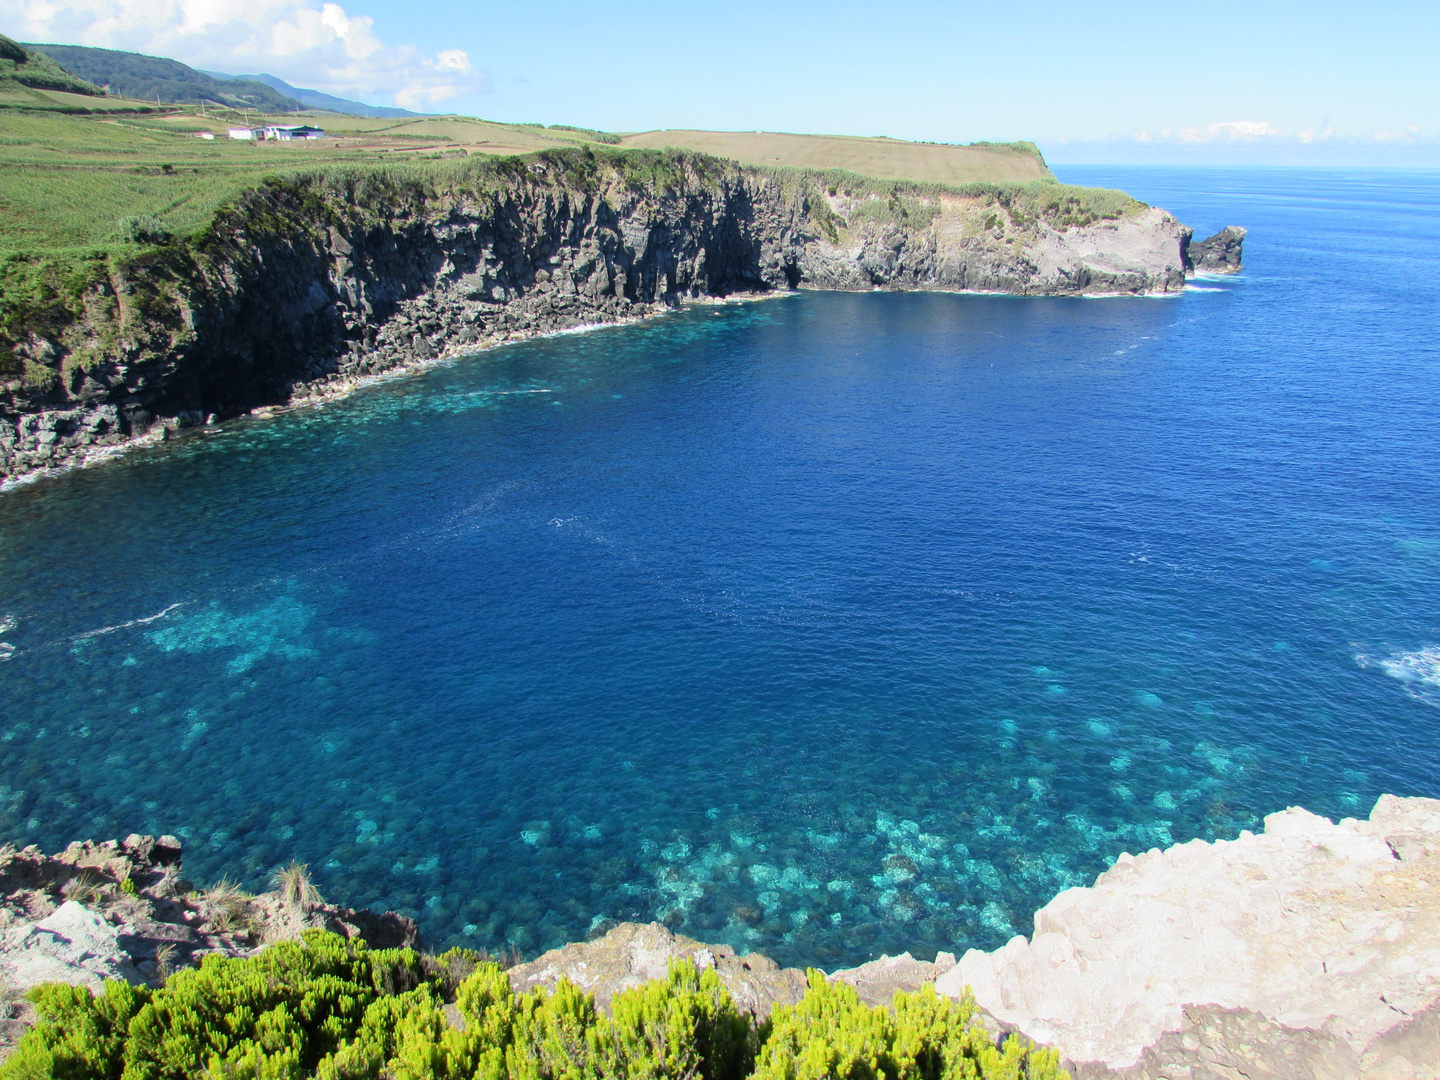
[
  {"x": 126, "y": 625},
  {"x": 1419, "y": 671}
]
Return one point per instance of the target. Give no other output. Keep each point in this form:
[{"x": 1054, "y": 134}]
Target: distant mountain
[
  {"x": 314, "y": 99},
  {"x": 38, "y": 71},
  {"x": 134, "y": 75}
]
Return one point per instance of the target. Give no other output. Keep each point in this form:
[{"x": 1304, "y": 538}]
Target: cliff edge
[
  {"x": 1309, "y": 951},
  {"x": 311, "y": 283}
]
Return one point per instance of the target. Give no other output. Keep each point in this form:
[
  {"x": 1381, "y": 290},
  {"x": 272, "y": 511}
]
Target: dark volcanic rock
[
  {"x": 301, "y": 289},
  {"x": 1218, "y": 255}
]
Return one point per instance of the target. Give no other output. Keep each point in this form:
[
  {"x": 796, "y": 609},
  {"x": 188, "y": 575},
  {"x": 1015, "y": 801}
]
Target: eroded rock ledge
[
  {"x": 1311, "y": 950},
  {"x": 310, "y": 284},
  {"x": 122, "y": 910}
]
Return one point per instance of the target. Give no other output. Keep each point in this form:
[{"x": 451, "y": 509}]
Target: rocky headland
[
  {"x": 308, "y": 285},
  {"x": 1310, "y": 951}
]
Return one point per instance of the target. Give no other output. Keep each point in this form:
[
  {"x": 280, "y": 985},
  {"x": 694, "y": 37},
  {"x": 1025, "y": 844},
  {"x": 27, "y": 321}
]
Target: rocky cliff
[
  {"x": 308, "y": 284},
  {"x": 120, "y": 909},
  {"x": 1308, "y": 952}
]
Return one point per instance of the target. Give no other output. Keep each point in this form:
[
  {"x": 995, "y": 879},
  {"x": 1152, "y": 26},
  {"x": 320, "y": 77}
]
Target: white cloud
[
  {"x": 306, "y": 42},
  {"x": 1228, "y": 131}
]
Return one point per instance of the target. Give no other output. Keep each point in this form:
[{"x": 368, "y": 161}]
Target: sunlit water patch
[{"x": 826, "y": 627}]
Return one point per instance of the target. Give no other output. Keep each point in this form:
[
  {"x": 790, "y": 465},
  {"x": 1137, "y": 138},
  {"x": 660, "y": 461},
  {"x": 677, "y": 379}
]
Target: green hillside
[
  {"x": 38, "y": 71},
  {"x": 148, "y": 78}
]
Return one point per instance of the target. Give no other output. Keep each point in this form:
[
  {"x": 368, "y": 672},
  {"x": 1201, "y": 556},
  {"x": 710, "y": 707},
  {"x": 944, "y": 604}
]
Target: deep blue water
[{"x": 828, "y": 625}]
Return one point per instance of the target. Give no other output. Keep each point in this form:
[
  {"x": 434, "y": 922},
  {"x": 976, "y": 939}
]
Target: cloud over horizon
[
  {"x": 1256, "y": 141},
  {"x": 313, "y": 43}
]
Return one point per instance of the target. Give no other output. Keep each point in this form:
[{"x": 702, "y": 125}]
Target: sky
[{"x": 1220, "y": 83}]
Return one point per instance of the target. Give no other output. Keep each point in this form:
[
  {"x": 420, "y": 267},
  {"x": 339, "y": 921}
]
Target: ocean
[{"x": 823, "y": 626}]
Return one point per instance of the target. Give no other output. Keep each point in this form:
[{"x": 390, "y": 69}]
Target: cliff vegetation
[{"x": 330, "y": 1008}]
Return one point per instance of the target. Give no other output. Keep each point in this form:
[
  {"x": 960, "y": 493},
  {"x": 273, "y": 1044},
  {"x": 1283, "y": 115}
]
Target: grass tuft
[{"x": 293, "y": 884}]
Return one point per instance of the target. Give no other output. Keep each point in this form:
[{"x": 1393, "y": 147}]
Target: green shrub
[
  {"x": 832, "y": 1034},
  {"x": 332, "y": 1009},
  {"x": 78, "y": 1036},
  {"x": 684, "y": 1026},
  {"x": 144, "y": 229}
]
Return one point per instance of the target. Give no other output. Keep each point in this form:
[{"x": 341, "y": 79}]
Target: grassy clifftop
[
  {"x": 891, "y": 159},
  {"x": 69, "y": 183},
  {"x": 336, "y": 1010}
]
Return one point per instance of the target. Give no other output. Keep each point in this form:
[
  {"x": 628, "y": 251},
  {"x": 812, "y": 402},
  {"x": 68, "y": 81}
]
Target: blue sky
[{"x": 1217, "y": 83}]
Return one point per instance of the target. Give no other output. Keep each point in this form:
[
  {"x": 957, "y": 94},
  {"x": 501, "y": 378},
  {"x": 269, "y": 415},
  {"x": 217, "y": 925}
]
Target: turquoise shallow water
[{"x": 827, "y": 626}]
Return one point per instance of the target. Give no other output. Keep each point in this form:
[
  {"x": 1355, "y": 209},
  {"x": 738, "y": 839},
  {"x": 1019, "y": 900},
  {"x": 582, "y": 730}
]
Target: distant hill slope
[
  {"x": 38, "y": 71},
  {"x": 314, "y": 99},
  {"x": 889, "y": 159},
  {"x": 135, "y": 75}
]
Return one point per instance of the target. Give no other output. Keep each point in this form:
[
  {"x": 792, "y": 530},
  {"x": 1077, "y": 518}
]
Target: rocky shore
[
  {"x": 310, "y": 285},
  {"x": 1310, "y": 951}
]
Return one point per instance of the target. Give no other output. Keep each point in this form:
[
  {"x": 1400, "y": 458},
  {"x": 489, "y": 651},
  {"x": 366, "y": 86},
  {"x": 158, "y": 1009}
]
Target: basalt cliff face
[{"x": 309, "y": 284}]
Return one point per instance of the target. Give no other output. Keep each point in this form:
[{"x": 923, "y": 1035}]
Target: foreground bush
[
  {"x": 336, "y": 1010},
  {"x": 832, "y": 1033}
]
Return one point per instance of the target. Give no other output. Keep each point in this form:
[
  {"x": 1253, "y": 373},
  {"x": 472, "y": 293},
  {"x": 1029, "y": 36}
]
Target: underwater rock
[{"x": 1309, "y": 951}]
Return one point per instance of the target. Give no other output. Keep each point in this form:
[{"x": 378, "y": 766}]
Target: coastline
[
  {"x": 1201, "y": 959},
  {"x": 300, "y": 292},
  {"x": 336, "y": 387},
  {"x": 333, "y": 388}
]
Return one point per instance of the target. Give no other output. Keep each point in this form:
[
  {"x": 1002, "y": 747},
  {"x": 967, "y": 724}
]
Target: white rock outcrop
[
  {"x": 72, "y": 944},
  {"x": 1310, "y": 950}
]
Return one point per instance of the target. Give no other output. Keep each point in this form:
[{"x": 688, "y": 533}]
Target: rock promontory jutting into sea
[
  {"x": 1310, "y": 951},
  {"x": 311, "y": 283}
]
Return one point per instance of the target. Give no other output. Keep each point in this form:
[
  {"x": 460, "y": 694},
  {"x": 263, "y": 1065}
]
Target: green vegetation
[
  {"x": 335, "y": 1010},
  {"x": 155, "y": 78},
  {"x": 880, "y": 158},
  {"x": 831, "y": 1033},
  {"x": 20, "y": 66},
  {"x": 589, "y": 133}
]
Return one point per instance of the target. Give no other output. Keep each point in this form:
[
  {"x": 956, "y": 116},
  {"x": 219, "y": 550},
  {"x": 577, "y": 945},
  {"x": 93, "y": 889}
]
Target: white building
[
  {"x": 279, "y": 132},
  {"x": 286, "y": 132}
]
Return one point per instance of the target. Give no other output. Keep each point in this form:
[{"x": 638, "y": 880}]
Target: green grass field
[
  {"x": 68, "y": 177},
  {"x": 887, "y": 159}
]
